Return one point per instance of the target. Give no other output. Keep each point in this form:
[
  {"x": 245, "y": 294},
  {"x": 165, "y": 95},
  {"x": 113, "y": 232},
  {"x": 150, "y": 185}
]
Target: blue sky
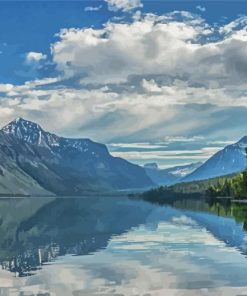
[
  {"x": 33, "y": 25},
  {"x": 157, "y": 81}
]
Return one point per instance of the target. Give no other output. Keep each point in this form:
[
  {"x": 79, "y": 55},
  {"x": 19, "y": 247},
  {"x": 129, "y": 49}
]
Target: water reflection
[
  {"x": 183, "y": 247},
  {"x": 218, "y": 206},
  {"x": 67, "y": 225}
]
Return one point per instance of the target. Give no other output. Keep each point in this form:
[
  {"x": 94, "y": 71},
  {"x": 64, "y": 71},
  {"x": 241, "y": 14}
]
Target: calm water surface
[{"x": 117, "y": 246}]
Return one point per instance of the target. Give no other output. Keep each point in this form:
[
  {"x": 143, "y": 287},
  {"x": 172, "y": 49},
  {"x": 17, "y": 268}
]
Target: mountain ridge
[
  {"x": 169, "y": 176},
  {"x": 231, "y": 159},
  {"x": 64, "y": 166}
]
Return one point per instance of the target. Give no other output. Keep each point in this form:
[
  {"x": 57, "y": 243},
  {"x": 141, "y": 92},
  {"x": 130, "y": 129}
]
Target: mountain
[
  {"x": 231, "y": 159},
  {"x": 171, "y": 175},
  {"x": 33, "y": 161},
  {"x": 183, "y": 170}
]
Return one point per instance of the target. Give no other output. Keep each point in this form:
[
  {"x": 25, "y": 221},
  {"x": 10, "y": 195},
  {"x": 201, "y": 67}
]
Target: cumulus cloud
[
  {"x": 34, "y": 62},
  {"x": 108, "y": 58},
  {"x": 124, "y": 5},
  {"x": 145, "y": 79},
  {"x": 35, "y": 57},
  {"x": 6, "y": 87},
  {"x": 156, "y": 45},
  {"x": 151, "y": 86}
]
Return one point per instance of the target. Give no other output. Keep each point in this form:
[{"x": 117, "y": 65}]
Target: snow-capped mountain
[
  {"x": 184, "y": 170},
  {"x": 60, "y": 165},
  {"x": 171, "y": 175},
  {"x": 33, "y": 134},
  {"x": 30, "y": 132},
  {"x": 231, "y": 159}
]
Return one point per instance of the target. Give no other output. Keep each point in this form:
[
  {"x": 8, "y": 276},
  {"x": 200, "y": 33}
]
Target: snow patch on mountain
[
  {"x": 231, "y": 159},
  {"x": 171, "y": 175}
]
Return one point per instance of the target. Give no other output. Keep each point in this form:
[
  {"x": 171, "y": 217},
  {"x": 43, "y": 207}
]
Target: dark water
[{"x": 117, "y": 246}]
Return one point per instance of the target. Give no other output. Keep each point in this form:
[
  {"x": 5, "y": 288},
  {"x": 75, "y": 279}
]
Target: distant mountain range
[
  {"x": 231, "y": 159},
  {"x": 36, "y": 162},
  {"x": 171, "y": 175}
]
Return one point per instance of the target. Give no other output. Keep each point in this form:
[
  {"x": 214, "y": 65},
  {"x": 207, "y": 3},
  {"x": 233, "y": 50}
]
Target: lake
[{"x": 118, "y": 246}]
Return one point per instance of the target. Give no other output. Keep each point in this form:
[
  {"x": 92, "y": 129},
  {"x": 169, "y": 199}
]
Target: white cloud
[
  {"x": 124, "y": 5},
  {"x": 125, "y": 115},
  {"x": 35, "y": 57},
  {"x": 156, "y": 46},
  {"x": 6, "y": 87},
  {"x": 104, "y": 56},
  {"x": 201, "y": 8},
  {"x": 151, "y": 86},
  {"x": 136, "y": 145},
  {"x": 182, "y": 139},
  {"x": 238, "y": 24},
  {"x": 93, "y": 8},
  {"x": 201, "y": 154},
  {"x": 156, "y": 77}
]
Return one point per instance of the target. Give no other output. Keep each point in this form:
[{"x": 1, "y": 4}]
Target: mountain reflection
[
  {"x": 42, "y": 229},
  {"x": 77, "y": 226}
]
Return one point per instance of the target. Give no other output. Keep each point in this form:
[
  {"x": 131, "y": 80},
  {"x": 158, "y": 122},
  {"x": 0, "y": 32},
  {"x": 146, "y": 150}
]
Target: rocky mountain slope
[
  {"x": 231, "y": 159},
  {"x": 33, "y": 161},
  {"x": 171, "y": 175}
]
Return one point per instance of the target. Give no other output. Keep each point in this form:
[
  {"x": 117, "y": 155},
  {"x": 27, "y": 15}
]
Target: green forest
[{"x": 234, "y": 186}]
